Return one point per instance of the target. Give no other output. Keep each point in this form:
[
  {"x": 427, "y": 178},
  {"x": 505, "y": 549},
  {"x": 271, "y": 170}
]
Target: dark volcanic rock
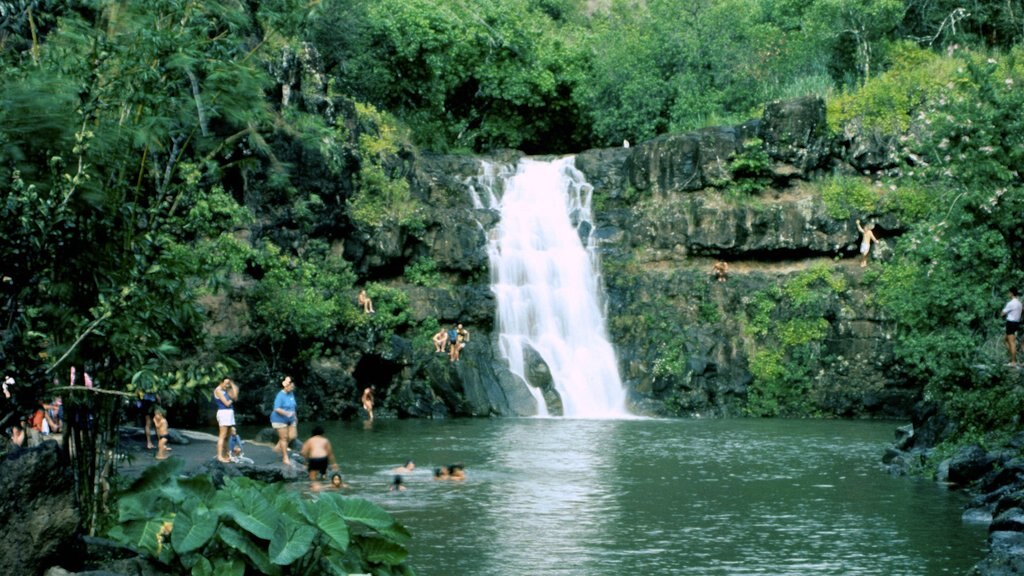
[{"x": 38, "y": 509}]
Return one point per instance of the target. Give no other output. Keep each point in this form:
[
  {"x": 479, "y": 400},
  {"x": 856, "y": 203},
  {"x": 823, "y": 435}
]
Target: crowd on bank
[{"x": 316, "y": 451}]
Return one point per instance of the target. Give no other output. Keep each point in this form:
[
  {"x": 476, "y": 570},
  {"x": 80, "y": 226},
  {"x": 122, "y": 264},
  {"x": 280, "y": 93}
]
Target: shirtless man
[
  {"x": 440, "y": 341},
  {"x": 368, "y": 400},
  {"x": 865, "y": 243},
  {"x": 365, "y": 302},
  {"x": 318, "y": 453},
  {"x": 160, "y": 423}
]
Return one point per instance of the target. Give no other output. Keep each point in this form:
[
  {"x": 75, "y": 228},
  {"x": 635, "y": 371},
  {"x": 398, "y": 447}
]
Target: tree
[{"x": 115, "y": 132}]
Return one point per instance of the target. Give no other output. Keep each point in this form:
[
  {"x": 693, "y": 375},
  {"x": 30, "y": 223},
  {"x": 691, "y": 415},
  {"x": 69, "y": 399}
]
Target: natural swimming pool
[{"x": 652, "y": 497}]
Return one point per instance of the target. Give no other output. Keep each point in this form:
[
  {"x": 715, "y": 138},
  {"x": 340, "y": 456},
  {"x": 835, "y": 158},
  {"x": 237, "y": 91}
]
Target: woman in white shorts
[{"x": 224, "y": 396}]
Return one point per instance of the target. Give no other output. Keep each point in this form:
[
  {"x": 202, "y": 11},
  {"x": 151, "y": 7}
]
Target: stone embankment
[{"x": 994, "y": 477}]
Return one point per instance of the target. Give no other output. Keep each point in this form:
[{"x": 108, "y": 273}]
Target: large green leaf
[
  {"x": 157, "y": 476},
  {"x": 248, "y": 507},
  {"x": 142, "y": 506},
  {"x": 383, "y": 551},
  {"x": 332, "y": 522},
  {"x": 365, "y": 512},
  {"x": 200, "y": 487},
  {"x": 243, "y": 544},
  {"x": 192, "y": 530},
  {"x": 140, "y": 536},
  {"x": 292, "y": 540}
]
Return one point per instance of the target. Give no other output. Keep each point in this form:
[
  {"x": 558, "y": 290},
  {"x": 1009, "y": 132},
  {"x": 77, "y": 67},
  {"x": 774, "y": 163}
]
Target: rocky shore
[
  {"x": 39, "y": 530},
  {"x": 994, "y": 477}
]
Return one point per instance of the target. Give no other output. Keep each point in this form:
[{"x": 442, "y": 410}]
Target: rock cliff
[{"x": 793, "y": 331}]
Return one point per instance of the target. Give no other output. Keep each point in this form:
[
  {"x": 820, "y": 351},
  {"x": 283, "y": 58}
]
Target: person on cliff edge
[
  {"x": 867, "y": 237},
  {"x": 1012, "y": 312}
]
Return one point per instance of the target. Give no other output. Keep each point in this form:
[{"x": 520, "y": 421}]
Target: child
[
  {"x": 160, "y": 423},
  {"x": 235, "y": 444}
]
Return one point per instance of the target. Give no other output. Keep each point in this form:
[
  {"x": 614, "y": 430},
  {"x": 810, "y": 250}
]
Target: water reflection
[{"x": 556, "y": 503}]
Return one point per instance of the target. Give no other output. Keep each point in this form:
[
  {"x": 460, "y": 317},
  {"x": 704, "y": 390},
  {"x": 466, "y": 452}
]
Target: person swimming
[
  {"x": 406, "y": 468},
  {"x": 457, "y": 471},
  {"x": 397, "y": 484}
]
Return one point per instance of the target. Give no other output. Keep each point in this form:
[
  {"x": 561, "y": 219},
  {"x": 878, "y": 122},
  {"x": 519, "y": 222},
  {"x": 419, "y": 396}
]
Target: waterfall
[{"x": 547, "y": 287}]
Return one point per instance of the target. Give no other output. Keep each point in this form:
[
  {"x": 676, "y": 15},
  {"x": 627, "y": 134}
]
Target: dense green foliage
[
  {"x": 956, "y": 263},
  {"x": 245, "y": 526},
  {"x": 153, "y": 170},
  {"x": 788, "y": 326}
]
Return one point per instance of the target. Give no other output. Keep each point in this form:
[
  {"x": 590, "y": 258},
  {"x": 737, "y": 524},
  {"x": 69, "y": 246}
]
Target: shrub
[{"x": 192, "y": 527}]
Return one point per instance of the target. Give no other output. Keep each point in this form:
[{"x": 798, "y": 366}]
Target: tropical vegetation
[{"x": 158, "y": 157}]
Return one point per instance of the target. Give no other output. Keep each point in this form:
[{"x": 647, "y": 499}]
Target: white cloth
[
  {"x": 225, "y": 417},
  {"x": 1012, "y": 310}
]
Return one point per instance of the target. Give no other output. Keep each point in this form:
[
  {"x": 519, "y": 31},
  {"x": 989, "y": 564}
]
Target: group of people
[
  {"x": 451, "y": 341},
  {"x": 45, "y": 419}
]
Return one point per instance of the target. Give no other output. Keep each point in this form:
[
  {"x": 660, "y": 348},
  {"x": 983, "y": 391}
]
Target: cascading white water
[{"x": 547, "y": 288}]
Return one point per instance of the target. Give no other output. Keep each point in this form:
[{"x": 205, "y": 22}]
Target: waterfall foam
[{"x": 544, "y": 271}]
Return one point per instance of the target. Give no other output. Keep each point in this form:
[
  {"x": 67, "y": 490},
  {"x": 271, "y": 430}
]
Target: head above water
[
  {"x": 318, "y": 431},
  {"x": 336, "y": 479}
]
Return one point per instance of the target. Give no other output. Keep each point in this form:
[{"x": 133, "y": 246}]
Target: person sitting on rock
[
  {"x": 458, "y": 343},
  {"x": 440, "y": 341},
  {"x": 17, "y": 437},
  {"x": 365, "y": 302},
  {"x": 235, "y": 444},
  {"x": 720, "y": 271}
]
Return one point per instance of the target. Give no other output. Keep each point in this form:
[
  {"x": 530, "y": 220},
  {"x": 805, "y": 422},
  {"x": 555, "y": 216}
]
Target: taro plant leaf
[
  {"x": 332, "y": 522},
  {"x": 292, "y": 540},
  {"x": 257, "y": 554},
  {"x": 157, "y": 476},
  {"x": 202, "y": 567},
  {"x": 248, "y": 507},
  {"x": 372, "y": 516},
  {"x": 230, "y": 567},
  {"x": 141, "y": 506},
  {"x": 199, "y": 486},
  {"x": 142, "y": 536},
  {"x": 383, "y": 551},
  {"x": 193, "y": 529}
]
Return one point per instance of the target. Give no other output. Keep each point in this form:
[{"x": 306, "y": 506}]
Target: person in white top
[{"x": 1012, "y": 312}]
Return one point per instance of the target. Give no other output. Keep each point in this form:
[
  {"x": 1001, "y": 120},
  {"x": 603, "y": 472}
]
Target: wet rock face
[
  {"x": 38, "y": 508},
  {"x": 663, "y": 214}
]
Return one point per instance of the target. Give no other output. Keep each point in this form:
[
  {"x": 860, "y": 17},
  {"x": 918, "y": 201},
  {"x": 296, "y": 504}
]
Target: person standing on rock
[
  {"x": 224, "y": 396},
  {"x": 867, "y": 237},
  {"x": 1012, "y": 312},
  {"x": 283, "y": 418}
]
